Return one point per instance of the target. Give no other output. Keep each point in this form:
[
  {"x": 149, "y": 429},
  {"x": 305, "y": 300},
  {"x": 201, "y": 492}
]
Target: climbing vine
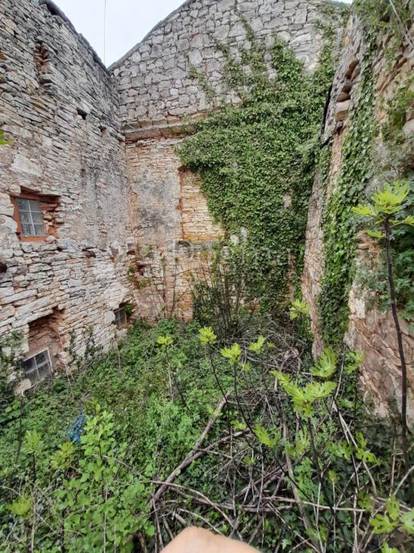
[
  {"x": 257, "y": 158},
  {"x": 399, "y": 163},
  {"x": 397, "y": 110},
  {"x": 393, "y": 17},
  {"x": 339, "y": 227},
  {"x": 380, "y": 18}
]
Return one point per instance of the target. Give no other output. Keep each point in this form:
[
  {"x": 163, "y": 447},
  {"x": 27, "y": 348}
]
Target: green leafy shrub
[
  {"x": 387, "y": 212},
  {"x": 297, "y": 458}
]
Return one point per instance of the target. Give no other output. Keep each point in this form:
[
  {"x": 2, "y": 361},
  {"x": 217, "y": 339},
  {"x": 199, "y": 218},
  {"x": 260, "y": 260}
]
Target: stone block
[{"x": 342, "y": 110}]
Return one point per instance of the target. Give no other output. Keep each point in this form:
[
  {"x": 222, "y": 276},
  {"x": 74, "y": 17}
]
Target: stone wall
[
  {"x": 159, "y": 97},
  {"x": 154, "y": 78},
  {"x": 371, "y": 331},
  {"x": 98, "y": 152},
  {"x": 125, "y": 222},
  {"x": 59, "y": 109},
  {"x": 173, "y": 228}
]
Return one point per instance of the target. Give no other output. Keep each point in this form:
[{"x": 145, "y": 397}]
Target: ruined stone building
[
  {"x": 92, "y": 195},
  {"x": 98, "y": 220}
]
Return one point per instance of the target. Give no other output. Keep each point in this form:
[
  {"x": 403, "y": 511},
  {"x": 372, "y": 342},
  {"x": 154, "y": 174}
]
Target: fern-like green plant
[
  {"x": 232, "y": 353},
  {"x": 383, "y": 214},
  {"x": 303, "y": 397},
  {"x": 257, "y": 347},
  {"x": 164, "y": 341},
  {"x": 299, "y": 308},
  {"x": 326, "y": 365},
  {"x": 22, "y": 507},
  {"x": 207, "y": 336},
  {"x": 269, "y": 439}
]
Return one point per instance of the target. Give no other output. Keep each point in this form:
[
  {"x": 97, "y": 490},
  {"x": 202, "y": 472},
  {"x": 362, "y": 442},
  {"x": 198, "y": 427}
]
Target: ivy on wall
[
  {"x": 338, "y": 221},
  {"x": 359, "y": 166},
  {"x": 257, "y": 159},
  {"x": 397, "y": 110},
  {"x": 391, "y": 17}
]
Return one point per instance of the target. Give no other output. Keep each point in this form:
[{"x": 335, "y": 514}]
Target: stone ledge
[{"x": 163, "y": 128}]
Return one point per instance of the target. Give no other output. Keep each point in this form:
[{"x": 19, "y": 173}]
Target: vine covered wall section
[
  {"x": 187, "y": 68},
  {"x": 368, "y": 140}
]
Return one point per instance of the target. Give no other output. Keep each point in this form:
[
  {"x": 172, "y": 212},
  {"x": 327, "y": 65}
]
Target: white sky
[{"x": 128, "y": 21}]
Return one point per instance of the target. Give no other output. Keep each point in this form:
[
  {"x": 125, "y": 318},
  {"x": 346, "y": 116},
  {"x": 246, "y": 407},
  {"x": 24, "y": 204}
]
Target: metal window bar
[
  {"x": 31, "y": 217},
  {"x": 121, "y": 319},
  {"x": 38, "y": 367}
]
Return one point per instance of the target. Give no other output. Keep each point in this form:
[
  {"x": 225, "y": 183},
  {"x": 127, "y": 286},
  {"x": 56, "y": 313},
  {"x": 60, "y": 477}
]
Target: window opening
[
  {"x": 38, "y": 367},
  {"x": 121, "y": 318},
  {"x": 31, "y": 217}
]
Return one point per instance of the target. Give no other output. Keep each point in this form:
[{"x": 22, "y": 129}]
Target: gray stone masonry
[
  {"x": 59, "y": 109},
  {"x": 154, "y": 78},
  {"x": 120, "y": 213}
]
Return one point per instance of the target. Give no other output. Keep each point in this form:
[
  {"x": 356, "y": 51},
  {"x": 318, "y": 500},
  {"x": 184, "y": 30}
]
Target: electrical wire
[{"x": 105, "y": 23}]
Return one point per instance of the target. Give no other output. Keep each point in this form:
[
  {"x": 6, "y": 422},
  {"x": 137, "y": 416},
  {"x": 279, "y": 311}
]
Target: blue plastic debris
[{"x": 77, "y": 429}]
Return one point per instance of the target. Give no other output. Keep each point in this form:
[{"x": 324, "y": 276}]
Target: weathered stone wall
[
  {"x": 125, "y": 221},
  {"x": 173, "y": 227},
  {"x": 336, "y": 129},
  {"x": 59, "y": 109},
  {"x": 154, "y": 78},
  {"x": 159, "y": 97},
  {"x": 371, "y": 331}
]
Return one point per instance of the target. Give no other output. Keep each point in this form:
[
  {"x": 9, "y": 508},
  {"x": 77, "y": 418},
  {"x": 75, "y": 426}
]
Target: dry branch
[{"x": 194, "y": 453}]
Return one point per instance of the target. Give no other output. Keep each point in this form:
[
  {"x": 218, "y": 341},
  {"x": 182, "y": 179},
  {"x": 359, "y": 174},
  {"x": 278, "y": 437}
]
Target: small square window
[
  {"x": 35, "y": 215},
  {"x": 121, "y": 318},
  {"x": 38, "y": 367},
  {"x": 31, "y": 217}
]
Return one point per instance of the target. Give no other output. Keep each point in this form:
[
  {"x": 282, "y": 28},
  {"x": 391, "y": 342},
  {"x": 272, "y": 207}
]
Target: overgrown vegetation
[
  {"x": 391, "y": 18},
  {"x": 385, "y": 214},
  {"x": 338, "y": 224},
  {"x": 257, "y": 158},
  {"x": 65, "y": 462},
  {"x": 400, "y": 162},
  {"x": 9, "y": 356},
  {"x": 221, "y": 291},
  {"x": 175, "y": 428},
  {"x": 227, "y": 422}
]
